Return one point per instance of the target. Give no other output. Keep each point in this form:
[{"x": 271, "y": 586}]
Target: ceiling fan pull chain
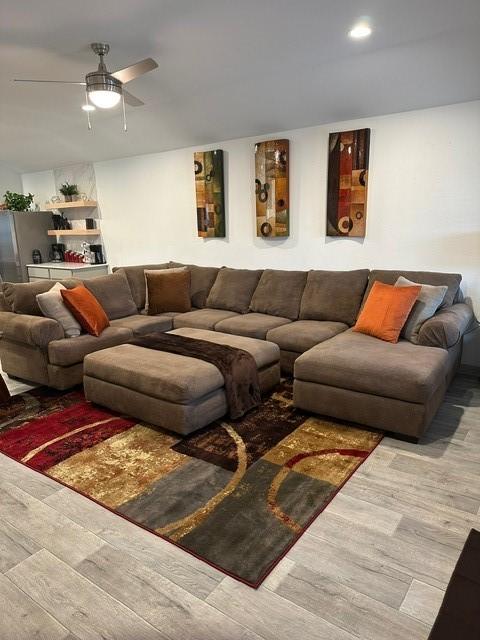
[
  {"x": 87, "y": 104},
  {"x": 124, "y": 114}
]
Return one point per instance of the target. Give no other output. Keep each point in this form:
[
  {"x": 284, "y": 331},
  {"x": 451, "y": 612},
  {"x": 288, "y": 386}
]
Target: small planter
[{"x": 69, "y": 192}]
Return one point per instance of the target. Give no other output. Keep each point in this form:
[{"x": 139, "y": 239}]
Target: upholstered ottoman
[{"x": 175, "y": 392}]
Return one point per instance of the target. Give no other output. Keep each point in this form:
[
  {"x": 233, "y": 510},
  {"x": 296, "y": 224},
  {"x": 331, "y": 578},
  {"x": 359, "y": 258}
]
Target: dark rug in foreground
[
  {"x": 237, "y": 494},
  {"x": 459, "y": 615}
]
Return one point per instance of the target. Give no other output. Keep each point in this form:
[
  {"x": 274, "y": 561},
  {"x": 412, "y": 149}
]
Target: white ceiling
[{"x": 227, "y": 69}]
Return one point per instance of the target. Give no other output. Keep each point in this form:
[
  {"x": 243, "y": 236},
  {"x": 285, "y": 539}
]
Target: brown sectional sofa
[{"x": 308, "y": 314}]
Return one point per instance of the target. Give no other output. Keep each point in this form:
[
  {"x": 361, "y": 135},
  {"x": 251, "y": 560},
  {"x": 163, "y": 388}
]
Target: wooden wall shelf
[
  {"x": 77, "y": 204},
  {"x": 74, "y": 232}
]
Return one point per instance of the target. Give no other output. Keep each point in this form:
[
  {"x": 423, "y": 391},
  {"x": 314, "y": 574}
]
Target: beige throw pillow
[
  {"x": 52, "y": 306},
  {"x": 429, "y": 300}
]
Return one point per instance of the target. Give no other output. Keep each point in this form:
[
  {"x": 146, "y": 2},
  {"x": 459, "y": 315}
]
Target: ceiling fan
[{"x": 105, "y": 89}]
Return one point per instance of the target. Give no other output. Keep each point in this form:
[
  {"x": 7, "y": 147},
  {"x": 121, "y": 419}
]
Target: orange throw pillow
[
  {"x": 86, "y": 309},
  {"x": 386, "y": 311}
]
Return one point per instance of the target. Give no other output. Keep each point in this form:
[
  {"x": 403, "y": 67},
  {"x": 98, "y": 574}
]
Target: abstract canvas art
[
  {"x": 210, "y": 193},
  {"x": 347, "y": 183},
  {"x": 271, "y": 188}
]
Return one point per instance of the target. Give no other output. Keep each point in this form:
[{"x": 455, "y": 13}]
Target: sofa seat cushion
[
  {"x": 201, "y": 318},
  {"x": 165, "y": 314},
  {"x": 358, "y": 362},
  {"x": 140, "y": 325},
  {"x": 302, "y": 335},
  {"x": 252, "y": 325},
  {"x": 70, "y": 351}
]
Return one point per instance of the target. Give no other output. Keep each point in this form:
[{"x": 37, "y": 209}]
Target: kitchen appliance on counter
[
  {"x": 97, "y": 253},
  {"x": 20, "y": 233}
]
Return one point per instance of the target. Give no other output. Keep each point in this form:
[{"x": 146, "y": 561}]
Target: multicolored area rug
[{"x": 237, "y": 494}]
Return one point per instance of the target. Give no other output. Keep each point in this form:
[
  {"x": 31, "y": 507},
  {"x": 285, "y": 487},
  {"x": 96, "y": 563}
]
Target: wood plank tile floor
[{"x": 373, "y": 566}]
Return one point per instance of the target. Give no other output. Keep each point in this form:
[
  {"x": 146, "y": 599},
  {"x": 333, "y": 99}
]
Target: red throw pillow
[
  {"x": 386, "y": 311},
  {"x": 86, "y": 309}
]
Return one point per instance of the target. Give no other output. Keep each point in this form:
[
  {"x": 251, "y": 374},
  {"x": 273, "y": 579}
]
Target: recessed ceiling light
[
  {"x": 360, "y": 30},
  {"x": 88, "y": 107}
]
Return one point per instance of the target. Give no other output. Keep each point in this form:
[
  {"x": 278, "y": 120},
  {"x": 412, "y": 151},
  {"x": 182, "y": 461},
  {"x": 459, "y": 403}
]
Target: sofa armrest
[
  {"x": 447, "y": 327},
  {"x": 32, "y": 330}
]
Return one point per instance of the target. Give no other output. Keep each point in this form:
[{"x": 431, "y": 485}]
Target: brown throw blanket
[{"x": 238, "y": 367}]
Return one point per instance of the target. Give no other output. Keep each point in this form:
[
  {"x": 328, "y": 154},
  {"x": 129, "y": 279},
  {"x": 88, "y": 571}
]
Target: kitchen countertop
[{"x": 71, "y": 266}]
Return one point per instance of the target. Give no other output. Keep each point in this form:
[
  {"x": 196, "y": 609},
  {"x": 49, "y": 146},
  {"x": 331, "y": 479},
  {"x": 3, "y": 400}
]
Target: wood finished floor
[{"x": 373, "y": 566}]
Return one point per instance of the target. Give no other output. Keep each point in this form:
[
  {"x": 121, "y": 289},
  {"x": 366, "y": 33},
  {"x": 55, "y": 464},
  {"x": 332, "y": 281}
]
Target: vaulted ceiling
[{"x": 227, "y": 68}]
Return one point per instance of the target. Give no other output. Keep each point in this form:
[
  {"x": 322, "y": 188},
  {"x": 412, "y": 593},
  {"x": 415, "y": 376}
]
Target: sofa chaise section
[{"x": 395, "y": 387}]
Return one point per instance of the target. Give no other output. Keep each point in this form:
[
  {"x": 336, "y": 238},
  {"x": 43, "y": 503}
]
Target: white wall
[
  {"x": 41, "y": 184},
  {"x": 423, "y": 202},
  {"x": 10, "y": 180}
]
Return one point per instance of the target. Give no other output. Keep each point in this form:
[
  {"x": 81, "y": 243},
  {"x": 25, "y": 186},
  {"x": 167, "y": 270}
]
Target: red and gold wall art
[
  {"x": 271, "y": 188},
  {"x": 210, "y": 193},
  {"x": 347, "y": 183}
]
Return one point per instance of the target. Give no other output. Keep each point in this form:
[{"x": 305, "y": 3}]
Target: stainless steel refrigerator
[{"x": 20, "y": 233}]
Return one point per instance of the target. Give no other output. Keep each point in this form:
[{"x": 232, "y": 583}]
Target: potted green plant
[
  {"x": 69, "y": 191},
  {"x": 17, "y": 201}
]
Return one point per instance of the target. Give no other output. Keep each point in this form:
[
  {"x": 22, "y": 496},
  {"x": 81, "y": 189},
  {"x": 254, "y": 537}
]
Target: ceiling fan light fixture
[
  {"x": 104, "y": 98},
  {"x": 104, "y": 91},
  {"x": 360, "y": 30}
]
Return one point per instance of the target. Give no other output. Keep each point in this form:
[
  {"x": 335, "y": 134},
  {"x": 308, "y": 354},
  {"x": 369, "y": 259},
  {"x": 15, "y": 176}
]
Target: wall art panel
[
  {"x": 210, "y": 195},
  {"x": 271, "y": 188},
  {"x": 347, "y": 183}
]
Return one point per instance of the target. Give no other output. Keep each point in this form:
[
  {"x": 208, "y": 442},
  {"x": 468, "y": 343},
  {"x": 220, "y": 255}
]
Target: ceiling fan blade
[
  {"x": 50, "y": 81},
  {"x": 131, "y": 100},
  {"x": 135, "y": 70}
]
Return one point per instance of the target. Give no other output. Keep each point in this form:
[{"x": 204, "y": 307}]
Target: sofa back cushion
[
  {"x": 278, "y": 293},
  {"x": 333, "y": 295},
  {"x": 201, "y": 281},
  {"x": 113, "y": 294},
  {"x": 136, "y": 280},
  {"x": 435, "y": 278},
  {"x": 21, "y": 297},
  {"x": 233, "y": 289}
]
